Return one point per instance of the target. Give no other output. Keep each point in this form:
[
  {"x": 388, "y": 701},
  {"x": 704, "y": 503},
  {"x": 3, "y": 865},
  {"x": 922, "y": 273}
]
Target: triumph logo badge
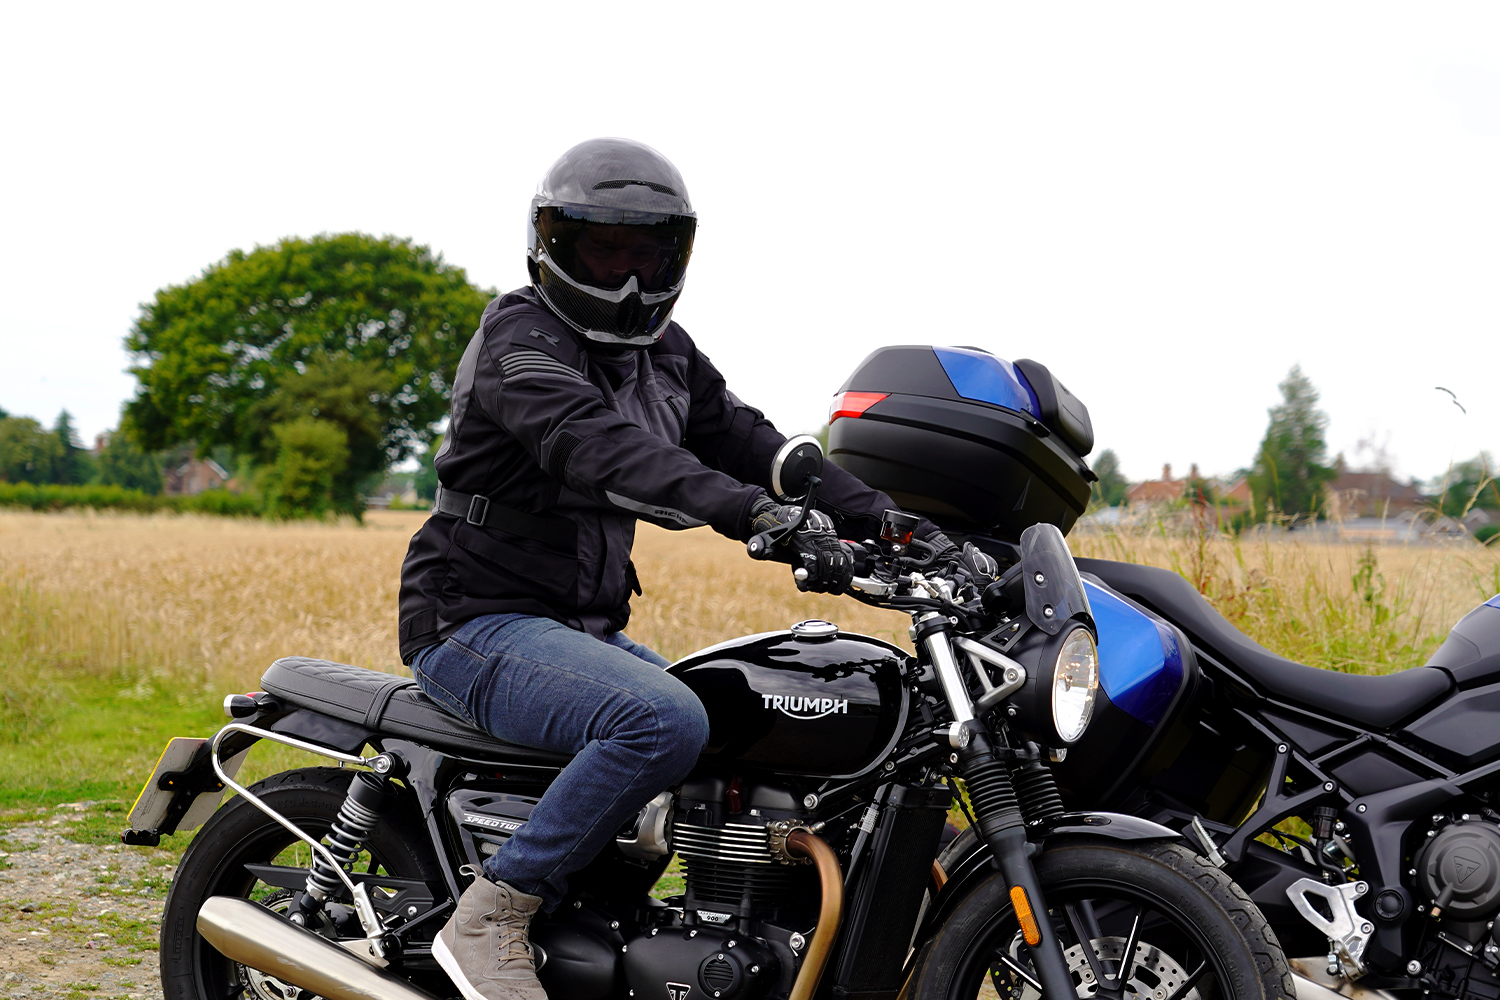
[
  {"x": 678, "y": 991},
  {"x": 805, "y": 708},
  {"x": 1464, "y": 867}
]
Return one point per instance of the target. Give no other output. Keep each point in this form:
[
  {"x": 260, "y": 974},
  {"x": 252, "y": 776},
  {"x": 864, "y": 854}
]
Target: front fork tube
[{"x": 993, "y": 797}]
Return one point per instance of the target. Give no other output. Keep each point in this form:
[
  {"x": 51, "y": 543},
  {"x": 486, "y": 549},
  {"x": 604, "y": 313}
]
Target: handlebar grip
[{"x": 759, "y": 546}]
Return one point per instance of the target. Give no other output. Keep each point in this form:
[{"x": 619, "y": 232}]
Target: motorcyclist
[{"x": 578, "y": 408}]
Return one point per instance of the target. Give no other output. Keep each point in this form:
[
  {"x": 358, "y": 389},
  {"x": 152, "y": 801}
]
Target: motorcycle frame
[{"x": 1381, "y": 827}]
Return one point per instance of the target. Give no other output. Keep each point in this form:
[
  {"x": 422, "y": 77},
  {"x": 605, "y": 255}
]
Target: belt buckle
[{"x": 484, "y": 511}]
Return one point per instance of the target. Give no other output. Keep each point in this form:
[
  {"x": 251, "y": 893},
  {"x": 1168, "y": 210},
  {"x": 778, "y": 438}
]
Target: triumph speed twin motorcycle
[
  {"x": 807, "y": 833},
  {"x": 1389, "y": 884}
]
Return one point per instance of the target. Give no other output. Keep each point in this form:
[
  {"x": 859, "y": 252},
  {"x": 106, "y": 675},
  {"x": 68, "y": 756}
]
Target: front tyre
[
  {"x": 240, "y": 834},
  {"x": 1190, "y": 932}
]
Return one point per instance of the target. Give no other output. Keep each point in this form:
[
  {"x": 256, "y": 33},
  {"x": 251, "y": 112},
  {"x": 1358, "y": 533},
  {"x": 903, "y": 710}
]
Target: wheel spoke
[
  {"x": 1190, "y": 981},
  {"x": 1127, "y": 957},
  {"x": 1020, "y": 971}
]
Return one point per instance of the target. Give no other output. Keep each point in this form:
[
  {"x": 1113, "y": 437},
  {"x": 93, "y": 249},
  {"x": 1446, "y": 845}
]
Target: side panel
[
  {"x": 1463, "y": 727},
  {"x": 817, "y": 707},
  {"x": 1146, "y": 669}
]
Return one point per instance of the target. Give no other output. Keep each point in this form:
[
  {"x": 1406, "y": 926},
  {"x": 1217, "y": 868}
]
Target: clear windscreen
[{"x": 1054, "y": 590}]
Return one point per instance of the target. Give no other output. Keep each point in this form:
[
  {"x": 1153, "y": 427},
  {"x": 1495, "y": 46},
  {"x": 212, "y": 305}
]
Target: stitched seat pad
[{"x": 388, "y": 704}]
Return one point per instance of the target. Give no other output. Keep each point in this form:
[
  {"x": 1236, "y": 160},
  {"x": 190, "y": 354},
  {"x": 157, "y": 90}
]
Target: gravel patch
[{"x": 77, "y": 919}]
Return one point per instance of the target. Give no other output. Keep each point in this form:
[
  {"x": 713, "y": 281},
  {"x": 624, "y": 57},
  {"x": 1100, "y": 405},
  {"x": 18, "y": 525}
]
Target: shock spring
[{"x": 356, "y": 820}]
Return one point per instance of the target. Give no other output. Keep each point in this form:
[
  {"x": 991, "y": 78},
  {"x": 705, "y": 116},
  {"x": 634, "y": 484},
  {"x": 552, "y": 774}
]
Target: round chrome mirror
[{"x": 796, "y": 462}]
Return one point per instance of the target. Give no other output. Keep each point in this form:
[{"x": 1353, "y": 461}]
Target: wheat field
[{"x": 197, "y": 606}]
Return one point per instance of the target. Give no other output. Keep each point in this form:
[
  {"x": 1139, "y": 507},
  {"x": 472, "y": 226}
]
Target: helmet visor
[{"x": 606, "y": 247}]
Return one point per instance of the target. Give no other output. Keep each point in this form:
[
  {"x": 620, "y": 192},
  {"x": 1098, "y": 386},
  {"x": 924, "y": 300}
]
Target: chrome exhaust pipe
[{"x": 252, "y": 935}]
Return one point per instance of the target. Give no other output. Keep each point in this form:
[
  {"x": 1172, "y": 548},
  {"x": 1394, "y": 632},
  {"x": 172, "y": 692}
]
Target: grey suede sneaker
[{"x": 485, "y": 946}]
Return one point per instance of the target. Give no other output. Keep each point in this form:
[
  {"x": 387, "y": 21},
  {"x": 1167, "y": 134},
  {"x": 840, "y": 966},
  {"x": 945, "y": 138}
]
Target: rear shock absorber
[{"x": 356, "y": 820}]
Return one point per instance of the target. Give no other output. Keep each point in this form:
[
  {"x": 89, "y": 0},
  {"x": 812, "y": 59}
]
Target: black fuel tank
[{"x": 806, "y": 701}]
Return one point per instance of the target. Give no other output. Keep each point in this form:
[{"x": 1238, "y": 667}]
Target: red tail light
[{"x": 852, "y": 404}]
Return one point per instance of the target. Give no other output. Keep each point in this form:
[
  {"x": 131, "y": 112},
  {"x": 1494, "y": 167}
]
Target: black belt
[{"x": 558, "y": 532}]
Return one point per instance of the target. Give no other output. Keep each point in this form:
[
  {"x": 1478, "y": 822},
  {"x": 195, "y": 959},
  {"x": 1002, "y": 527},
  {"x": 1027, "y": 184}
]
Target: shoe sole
[{"x": 449, "y": 964}]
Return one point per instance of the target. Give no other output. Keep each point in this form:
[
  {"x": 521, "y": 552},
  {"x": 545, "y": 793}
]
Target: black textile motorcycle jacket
[{"x": 571, "y": 447}]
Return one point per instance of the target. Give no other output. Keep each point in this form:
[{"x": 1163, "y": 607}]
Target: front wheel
[{"x": 1139, "y": 922}]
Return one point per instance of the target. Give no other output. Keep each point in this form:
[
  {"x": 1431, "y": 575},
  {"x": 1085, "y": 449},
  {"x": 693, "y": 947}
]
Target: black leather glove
[
  {"x": 969, "y": 564},
  {"x": 814, "y": 547}
]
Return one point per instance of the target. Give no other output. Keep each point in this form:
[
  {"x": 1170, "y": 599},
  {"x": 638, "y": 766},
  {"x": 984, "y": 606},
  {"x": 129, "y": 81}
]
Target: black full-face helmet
[{"x": 609, "y": 237}]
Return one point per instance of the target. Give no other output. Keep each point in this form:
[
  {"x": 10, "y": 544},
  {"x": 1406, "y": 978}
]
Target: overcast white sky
[{"x": 1169, "y": 205}]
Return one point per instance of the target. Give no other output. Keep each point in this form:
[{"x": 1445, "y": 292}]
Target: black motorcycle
[
  {"x": 1361, "y": 814},
  {"x": 1388, "y": 877},
  {"x": 807, "y": 834}
]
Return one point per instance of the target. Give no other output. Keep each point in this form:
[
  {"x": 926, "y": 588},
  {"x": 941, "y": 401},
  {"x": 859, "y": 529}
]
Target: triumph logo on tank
[{"x": 798, "y": 707}]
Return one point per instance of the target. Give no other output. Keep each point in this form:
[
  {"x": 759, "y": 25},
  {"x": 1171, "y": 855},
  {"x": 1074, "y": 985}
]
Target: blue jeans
[{"x": 635, "y": 729}]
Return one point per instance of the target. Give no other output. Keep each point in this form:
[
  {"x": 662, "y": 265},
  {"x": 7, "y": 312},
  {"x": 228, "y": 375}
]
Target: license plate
[{"x": 150, "y": 809}]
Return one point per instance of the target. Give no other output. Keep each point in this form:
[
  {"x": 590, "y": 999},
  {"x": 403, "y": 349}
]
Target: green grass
[{"x": 98, "y": 742}]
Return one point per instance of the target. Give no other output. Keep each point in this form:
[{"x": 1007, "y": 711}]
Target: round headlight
[{"x": 1074, "y": 682}]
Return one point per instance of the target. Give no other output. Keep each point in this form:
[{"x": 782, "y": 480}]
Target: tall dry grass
[
  {"x": 205, "y": 604},
  {"x": 1359, "y": 608}
]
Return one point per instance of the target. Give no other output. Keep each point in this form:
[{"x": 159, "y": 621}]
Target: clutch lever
[{"x": 759, "y": 546}]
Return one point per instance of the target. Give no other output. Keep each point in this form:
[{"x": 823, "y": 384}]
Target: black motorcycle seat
[
  {"x": 1373, "y": 701},
  {"x": 391, "y": 705}
]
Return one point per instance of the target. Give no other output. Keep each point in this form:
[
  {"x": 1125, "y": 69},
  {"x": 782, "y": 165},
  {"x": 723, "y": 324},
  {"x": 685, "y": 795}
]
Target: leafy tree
[
  {"x": 1111, "y": 486},
  {"x": 123, "y": 464},
  {"x": 1467, "y": 485},
  {"x": 74, "y": 465},
  {"x": 28, "y": 452},
  {"x": 1289, "y": 472},
  {"x": 358, "y": 333},
  {"x": 425, "y": 482},
  {"x": 311, "y": 454}
]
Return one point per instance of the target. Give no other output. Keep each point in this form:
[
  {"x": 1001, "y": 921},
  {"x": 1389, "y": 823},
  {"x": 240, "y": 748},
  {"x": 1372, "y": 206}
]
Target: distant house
[
  {"x": 194, "y": 476},
  {"x": 1237, "y": 493},
  {"x": 1217, "y": 504},
  {"x": 1373, "y": 494},
  {"x": 1158, "y": 491}
]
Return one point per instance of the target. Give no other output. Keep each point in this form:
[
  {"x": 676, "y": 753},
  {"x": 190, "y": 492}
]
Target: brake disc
[{"x": 1154, "y": 976}]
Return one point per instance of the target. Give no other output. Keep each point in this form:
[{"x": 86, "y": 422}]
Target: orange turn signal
[{"x": 1027, "y": 919}]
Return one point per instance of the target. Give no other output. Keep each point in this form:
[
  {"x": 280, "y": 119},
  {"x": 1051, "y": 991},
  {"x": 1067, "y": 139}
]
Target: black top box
[{"x": 972, "y": 441}]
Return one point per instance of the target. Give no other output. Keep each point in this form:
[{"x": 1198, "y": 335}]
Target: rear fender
[{"x": 973, "y": 864}]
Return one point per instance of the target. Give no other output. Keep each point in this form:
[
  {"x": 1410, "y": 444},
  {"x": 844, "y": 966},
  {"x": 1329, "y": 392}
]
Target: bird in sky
[{"x": 1455, "y": 398}]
